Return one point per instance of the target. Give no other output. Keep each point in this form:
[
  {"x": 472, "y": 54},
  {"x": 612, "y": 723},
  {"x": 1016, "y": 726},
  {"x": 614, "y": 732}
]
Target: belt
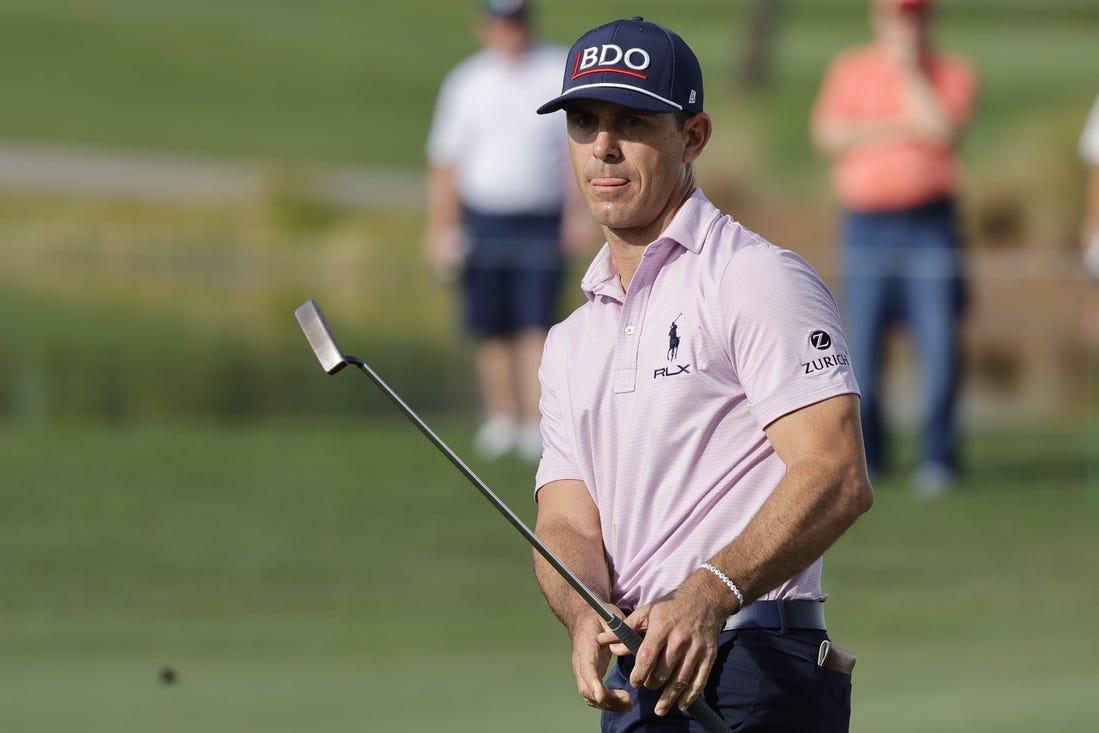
[{"x": 782, "y": 615}]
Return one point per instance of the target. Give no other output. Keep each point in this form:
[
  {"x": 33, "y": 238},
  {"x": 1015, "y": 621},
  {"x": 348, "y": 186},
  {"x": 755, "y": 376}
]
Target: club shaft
[
  {"x": 597, "y": 605},
  {"x": 699, "y": 709}
]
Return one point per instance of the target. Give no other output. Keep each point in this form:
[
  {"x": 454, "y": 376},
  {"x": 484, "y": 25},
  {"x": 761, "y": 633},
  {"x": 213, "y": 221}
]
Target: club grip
[
  {"x": 710, "y": 721},
  {"x": 625, "y": 634},
  {"x": 699, "y": 709}
]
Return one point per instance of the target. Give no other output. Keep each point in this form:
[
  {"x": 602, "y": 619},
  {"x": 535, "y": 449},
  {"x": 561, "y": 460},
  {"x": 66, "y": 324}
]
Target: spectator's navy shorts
[
  {"x": 762, "y": 680},
  {"x": 512, "y": 275}
]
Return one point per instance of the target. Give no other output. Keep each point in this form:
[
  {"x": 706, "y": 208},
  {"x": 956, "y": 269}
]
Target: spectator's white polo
[
  {"x": 486, "y": 127},
  {"x": 657, "y": 399}
]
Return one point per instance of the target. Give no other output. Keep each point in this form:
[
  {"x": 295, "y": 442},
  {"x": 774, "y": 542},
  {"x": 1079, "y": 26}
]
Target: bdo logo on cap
[
  {"x": 607, "y": 57},
  {"x": 633, "y": 63}
]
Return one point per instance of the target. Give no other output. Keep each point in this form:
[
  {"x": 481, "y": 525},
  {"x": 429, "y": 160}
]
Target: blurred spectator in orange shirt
[{"x": 889, "y": 115}]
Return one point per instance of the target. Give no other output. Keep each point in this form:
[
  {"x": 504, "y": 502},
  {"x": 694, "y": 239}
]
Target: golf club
[{"x": 332, "y": 359}]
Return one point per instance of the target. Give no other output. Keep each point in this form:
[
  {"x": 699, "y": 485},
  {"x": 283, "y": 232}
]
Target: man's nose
[{"x": 606, "y": 145}]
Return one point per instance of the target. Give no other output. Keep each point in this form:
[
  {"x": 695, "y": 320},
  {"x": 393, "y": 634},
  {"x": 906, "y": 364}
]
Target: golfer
[{"x": 700, "y": 421}]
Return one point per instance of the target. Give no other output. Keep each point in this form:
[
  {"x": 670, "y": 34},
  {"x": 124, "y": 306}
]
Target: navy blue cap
[{"x": 634, "y": 63}]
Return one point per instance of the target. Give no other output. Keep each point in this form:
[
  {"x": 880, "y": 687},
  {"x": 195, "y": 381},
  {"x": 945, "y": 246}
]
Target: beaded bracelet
[{"x": 727, "y": 581}]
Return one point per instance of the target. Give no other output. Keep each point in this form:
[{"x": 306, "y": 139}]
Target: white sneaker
[
  {"x": 932, "y": 480},
  {"x": 495, "y": 438},
  {"x": 529, "y": 443}
]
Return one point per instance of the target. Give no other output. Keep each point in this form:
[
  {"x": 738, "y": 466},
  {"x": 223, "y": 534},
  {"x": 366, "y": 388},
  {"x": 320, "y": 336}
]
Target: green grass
[
  {"x": 334, "y": 577},
  {"x": 344, "y": 577},
  {"x": 347, "y": 81}
]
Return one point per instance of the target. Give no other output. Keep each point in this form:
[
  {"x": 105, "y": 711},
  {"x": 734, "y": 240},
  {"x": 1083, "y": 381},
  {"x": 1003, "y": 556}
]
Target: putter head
[{"x": 320, "y": 337}]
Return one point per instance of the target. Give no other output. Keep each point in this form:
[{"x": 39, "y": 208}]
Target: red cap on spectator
[{"x": 913, "y": 6}]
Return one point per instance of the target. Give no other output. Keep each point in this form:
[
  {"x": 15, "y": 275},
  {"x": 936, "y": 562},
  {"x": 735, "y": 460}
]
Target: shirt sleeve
[
  {"x": 558, "y": 460},
  {"x": 830, "y": 102},
  {"x": 959, "y": 90},
  {"x": 444, "y": 140},
  {"x": 786, "y": 339}
]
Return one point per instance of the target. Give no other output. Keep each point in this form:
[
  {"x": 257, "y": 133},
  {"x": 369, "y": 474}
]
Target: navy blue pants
[
  {"x": 762, "y": 680},
  {"x": 511, "y": 279}
]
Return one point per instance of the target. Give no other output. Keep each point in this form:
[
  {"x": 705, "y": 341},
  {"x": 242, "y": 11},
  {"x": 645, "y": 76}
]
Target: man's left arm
[{"x": 825, "y": 489}]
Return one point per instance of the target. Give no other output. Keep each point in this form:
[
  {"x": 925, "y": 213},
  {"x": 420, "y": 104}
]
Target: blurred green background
[{"x": 182, "y": 488}]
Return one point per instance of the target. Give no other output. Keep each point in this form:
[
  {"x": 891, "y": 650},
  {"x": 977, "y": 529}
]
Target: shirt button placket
[{"x": 625, "y": 361}]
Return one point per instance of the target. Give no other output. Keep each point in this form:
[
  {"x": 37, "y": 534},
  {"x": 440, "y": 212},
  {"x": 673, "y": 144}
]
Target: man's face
[
  {"x": 508, "y": 36},
  {"x": 898, "y": 27},
  {"x": 633, "y": 167}
]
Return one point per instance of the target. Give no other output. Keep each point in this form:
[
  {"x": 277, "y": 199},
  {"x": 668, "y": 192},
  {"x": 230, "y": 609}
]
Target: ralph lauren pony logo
[
  {"x": 673, "y": 339},
  {"x": 673, "y": 351}
]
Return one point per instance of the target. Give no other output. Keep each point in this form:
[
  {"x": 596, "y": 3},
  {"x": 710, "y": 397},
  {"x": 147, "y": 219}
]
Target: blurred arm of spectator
[
  {"x": 580, "y": 235},
  {"x": 1089, "y": 151},
  {"x": 443, "y": 233},
  {"x": 907, "y": 42},
  {"x": 1089, "y": 233},
  {"x": 834, "y": 137},
  {"x": 443, "y": 246}
]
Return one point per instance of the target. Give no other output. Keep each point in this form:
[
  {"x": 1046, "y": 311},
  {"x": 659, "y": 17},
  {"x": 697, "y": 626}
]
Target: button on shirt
[{"x": 657, "y": 398}]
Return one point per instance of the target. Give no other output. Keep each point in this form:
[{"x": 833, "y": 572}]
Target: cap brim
[{"x": 616, "y": 94}]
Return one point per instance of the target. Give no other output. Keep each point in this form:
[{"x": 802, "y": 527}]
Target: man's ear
[{"x": 696, "y": 133}]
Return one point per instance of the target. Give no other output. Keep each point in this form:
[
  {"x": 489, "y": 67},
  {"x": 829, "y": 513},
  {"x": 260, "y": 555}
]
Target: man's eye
[{"x": 635, "y": 121}]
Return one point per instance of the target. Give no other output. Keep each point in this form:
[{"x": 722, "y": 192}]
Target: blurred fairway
[
  {"x": 345, "y": 577},
  {"x": 181, "y": 487},
  {"x": 354, "y": 82}
]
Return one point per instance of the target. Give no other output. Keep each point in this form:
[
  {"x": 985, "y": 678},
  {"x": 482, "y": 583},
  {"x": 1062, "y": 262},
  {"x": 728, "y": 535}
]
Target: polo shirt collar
[
  {"x": 687, "y": 229},
  {"x": 690, "y": 224}
]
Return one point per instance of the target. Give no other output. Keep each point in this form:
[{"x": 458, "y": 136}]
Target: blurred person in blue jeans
[
  {"x": 889, "y": 114},
  {"x": 502, "y": 214}
]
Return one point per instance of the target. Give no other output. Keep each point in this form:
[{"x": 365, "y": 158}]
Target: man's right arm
[{"x": 568, "y": 523}]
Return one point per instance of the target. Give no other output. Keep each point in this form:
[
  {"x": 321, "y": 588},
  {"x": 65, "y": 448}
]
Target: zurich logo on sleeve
[{"x": 822, "y": 341}]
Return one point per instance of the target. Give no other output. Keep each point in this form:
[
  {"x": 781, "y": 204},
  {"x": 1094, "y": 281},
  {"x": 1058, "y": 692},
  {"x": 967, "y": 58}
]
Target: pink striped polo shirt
[{"x": 656, "y": 399}]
